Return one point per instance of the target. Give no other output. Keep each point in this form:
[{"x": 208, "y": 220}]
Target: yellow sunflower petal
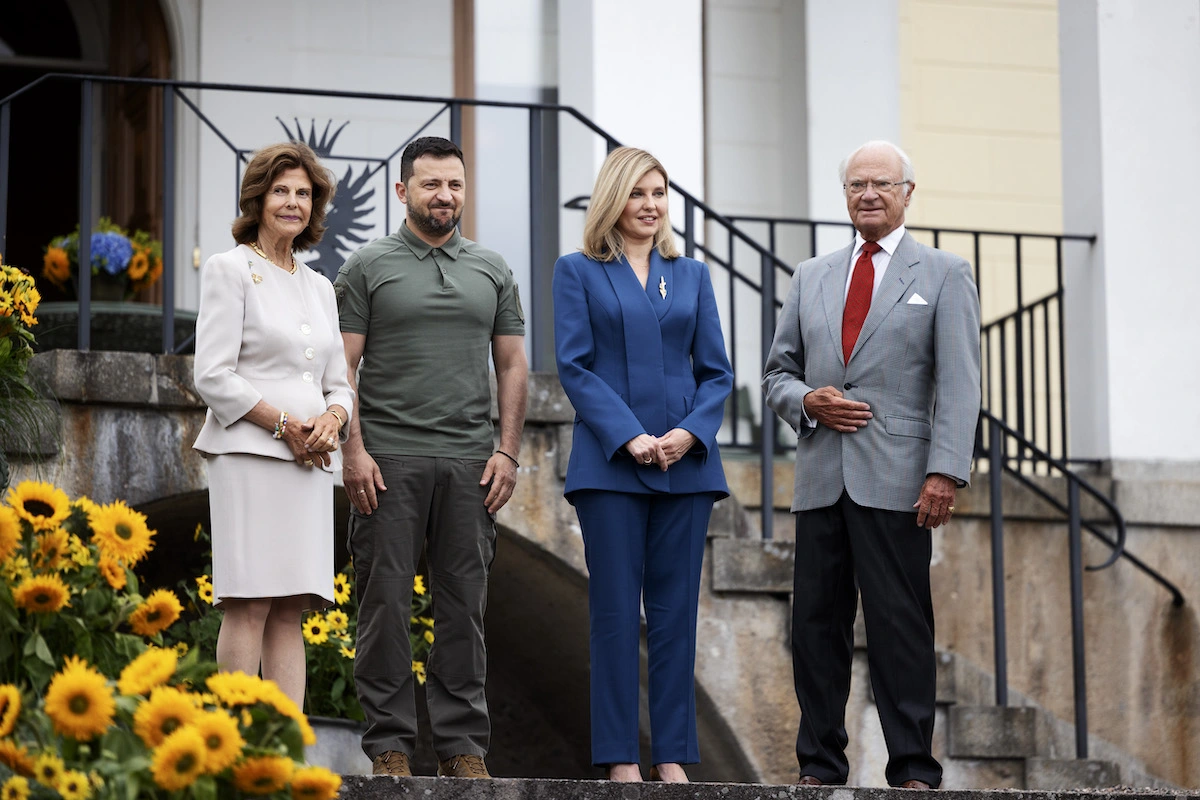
[
  {"x": 42, "y": 505},
  {"x": 42, "y": 594},
  {"x": 158, "y": 613},
  {"x": 149, "y": 670},
  {"x": 121, "y": 532},
  {"x": 179, "y": 760},
  {"x": 79, "y": 701},
  {"x": 10, "y": 708},
  {"x": 263, "y": 774},
  {"x": 10, "y": 532},
  {"x": 315, "y": 783},
  {"x": 223, "y": 740},
  {"x": 167, "y": 710}
]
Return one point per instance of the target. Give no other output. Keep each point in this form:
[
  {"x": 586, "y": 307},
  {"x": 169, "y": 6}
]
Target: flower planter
[
  {"x": 127, "y": 327},
  {"x": 339, "y": 746}
]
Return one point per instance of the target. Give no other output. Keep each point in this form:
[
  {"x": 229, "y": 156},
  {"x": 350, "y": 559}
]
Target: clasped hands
[
  {"x": 830, "y": 408},
  {"x": 662, "y": 450},
  {"x": 313, "y": 440}
]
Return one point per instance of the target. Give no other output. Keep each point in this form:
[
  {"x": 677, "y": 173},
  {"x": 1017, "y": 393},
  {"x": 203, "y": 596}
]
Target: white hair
[{"x": 906, "y": 168}]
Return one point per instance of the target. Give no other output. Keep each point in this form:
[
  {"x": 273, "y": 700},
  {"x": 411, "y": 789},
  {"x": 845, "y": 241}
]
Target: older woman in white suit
[{"x": 270, "y": 365}]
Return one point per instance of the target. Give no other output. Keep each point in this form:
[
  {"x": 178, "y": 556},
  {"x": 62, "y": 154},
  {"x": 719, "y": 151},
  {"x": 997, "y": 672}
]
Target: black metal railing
[
  {"x": 1005, "y": 451},
  {"x": 752, "y": 267},
  {"x": 1023, "y": 334}
]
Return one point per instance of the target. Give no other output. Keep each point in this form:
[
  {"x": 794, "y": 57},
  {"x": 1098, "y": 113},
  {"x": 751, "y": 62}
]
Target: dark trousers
[
  {"x": 436, "y": 504},
  {"x": 885, "y": 557},
  {"x": 653, "y": 546}
]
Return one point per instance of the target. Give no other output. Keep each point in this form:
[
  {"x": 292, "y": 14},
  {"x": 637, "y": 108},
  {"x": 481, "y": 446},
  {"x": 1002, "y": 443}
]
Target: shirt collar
[
  {"x": 888, "y": 243},
  {"x": 422, "y": 248}
]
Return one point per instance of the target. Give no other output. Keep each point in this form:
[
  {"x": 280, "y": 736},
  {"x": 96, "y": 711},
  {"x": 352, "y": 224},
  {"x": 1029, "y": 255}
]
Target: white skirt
[{"x": 272, "y": 529}]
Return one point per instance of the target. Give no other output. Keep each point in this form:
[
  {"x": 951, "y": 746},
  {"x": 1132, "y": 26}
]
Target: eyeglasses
[{"x": 858, "y": 187}]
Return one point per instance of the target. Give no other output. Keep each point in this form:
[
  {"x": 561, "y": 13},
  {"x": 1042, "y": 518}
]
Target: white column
[
  {"x": 1131, "y": 121},
  {"x": 635, "y": 69},
  {"x": 853, "y": 66}
]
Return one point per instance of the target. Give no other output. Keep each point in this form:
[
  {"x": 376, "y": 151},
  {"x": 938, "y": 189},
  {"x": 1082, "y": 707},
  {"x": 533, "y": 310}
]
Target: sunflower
[
  {"x": 419, "y": 584},
  {"x": 315, "y": 783},
  {"x": 42, "y": 594},
  {"x": 348, "y": 652},
  {"x": 316, "y": 629},
  {"x": 149, "y": 670},
  {"x": 15, "y": 788},
  {"x": 50, "y": 549},
  {"x": 87, "y": 506},
  {"x": 223, "y": 741},
  {"x": 272, "y": 695},
  {"x": 121, "y": 532},
  {"x": 16, "y": 569},
  {"x": 10, "y": 708},
  {"x": 56, "y": 266},
  {"x": 16, "y": 757},
  {"x": 236, "y": 688},
  {"x": 79, "y": 701},
  {"x": 74, "y": 785},
  {"x": 158, "y": 613},
  {"x": 341, "y": 588},
  {"x": 80, "y": 555},
  {"x": 139, "y": 265},
  {"x": 42, "y": 505},
  {"x": 113, "y": 571},
  {"x": 204, "y": 588},
  {"x": 337, "y": 620},
  {"x": 167, "y": 710},
  {"x": 179, "y": 760},
  {"x": 10, "y": 532},
  {"x": 263, "y": 774},
  {"x": 418, "y": 668},
  {"x": 48, "y": 768},
  {"x": 429, "y": 636}
]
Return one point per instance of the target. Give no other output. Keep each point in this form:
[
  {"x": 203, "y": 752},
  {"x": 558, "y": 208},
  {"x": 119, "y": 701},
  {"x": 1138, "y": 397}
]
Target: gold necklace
[{"x": 254, "y": 246}]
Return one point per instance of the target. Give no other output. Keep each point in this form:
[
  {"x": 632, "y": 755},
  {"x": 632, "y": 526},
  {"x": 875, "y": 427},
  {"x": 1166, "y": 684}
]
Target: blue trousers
[{"x": 647, "y": 546}]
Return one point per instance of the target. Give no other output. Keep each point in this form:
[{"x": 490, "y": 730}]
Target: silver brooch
[{"x": 662, "y": 287}]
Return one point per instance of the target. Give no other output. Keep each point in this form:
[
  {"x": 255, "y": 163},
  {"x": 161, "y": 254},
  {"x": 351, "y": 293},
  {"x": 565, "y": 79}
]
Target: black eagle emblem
[{"x": 344, "y": 222}]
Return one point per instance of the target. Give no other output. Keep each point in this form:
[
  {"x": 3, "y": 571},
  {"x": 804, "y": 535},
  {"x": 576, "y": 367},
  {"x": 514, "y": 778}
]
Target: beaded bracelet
[
  {"x": 510, "y": 458},
  {"x": 341, "y": 422},
  {"x": 281, "y": 426}
]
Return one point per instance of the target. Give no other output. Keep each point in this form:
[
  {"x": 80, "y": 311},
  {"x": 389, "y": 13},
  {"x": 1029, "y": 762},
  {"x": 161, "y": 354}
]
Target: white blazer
[{"x": 265, "y": 334}]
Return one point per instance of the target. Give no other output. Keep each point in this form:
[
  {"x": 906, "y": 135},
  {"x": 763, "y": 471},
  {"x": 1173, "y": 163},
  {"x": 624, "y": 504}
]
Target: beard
[{"x": 425, "y": 221}]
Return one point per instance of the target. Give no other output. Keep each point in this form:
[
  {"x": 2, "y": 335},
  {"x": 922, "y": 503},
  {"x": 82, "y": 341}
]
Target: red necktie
[{"x": 858, "y": 299}]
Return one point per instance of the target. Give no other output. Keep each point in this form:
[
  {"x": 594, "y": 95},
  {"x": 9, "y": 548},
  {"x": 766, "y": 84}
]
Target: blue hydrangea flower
[{"x": 111, "y": 252}]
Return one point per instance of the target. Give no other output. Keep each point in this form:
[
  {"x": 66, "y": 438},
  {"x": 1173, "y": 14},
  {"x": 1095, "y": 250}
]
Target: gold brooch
[
  {"x": 254, "y": 276},
  {"x": 662, "y": 286}
]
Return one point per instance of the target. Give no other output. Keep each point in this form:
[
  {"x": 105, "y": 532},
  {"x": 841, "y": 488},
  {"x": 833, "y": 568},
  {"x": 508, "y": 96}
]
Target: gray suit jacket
[{"x": 916, "y": 365}]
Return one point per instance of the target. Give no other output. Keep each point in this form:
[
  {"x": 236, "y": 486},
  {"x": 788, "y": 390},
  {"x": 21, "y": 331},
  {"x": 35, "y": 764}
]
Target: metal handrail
[
  {"x": 768, "y": 263},
  {"x": 999, "y": 435},
  {"x": 1029, "y": 369}
]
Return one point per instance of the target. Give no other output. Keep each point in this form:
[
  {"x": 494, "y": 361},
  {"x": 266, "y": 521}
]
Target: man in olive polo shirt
[{"x": 420, "y": 309}]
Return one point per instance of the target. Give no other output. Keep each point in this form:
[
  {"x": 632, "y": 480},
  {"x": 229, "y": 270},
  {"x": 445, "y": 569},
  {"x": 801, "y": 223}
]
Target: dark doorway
[
  {"x": 37, "y": 38},
  {"x": 128, "y": 39}
]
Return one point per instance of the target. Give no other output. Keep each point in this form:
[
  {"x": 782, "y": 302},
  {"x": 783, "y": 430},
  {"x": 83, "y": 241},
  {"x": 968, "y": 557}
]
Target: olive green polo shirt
[{"x": 429, "y": 314}]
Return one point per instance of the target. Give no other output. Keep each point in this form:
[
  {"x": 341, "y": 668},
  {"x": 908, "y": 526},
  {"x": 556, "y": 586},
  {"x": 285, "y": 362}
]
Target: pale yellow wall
[{"x": 979, "y": 100}]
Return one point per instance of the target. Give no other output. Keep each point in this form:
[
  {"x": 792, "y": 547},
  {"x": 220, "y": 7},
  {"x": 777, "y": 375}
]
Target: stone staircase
[{"x": 1020, "y": 746}]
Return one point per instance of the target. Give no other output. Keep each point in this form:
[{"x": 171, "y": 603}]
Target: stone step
[{"x": 385, "y": 788}]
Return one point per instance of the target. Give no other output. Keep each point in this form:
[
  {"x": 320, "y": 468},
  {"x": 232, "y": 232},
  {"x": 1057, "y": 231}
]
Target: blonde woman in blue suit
[
  {"x": 642, "y": 358},
  {"x": 271, "y": 367}
]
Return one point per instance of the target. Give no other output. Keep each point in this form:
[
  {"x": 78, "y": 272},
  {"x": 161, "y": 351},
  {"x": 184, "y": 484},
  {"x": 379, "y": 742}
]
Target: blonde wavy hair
[{"x": 620, "y": 172}]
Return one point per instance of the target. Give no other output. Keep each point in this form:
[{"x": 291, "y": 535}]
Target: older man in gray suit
[{"x": 875, "y": 363}]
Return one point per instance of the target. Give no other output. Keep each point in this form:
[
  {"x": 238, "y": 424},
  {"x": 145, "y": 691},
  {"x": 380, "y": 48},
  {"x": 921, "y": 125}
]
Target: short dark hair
[
  {"x": 264, "y": 167},
  {"x": 434, "y": 146}
]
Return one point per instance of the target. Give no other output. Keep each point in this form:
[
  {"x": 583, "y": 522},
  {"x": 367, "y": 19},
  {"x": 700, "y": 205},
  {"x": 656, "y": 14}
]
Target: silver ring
[
  {"x": 330, "y": 440},
  {"x": 647, "y": 460},
  {"x": 307, "y": 463},
  {"x": 362, "y": 491}
]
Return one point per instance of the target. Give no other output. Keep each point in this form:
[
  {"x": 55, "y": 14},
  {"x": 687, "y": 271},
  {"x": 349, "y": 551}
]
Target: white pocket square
[{"x": 917, "y": 300}]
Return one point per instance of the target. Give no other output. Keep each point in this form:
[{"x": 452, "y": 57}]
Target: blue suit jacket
[{"x": 633, "y": 362}]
